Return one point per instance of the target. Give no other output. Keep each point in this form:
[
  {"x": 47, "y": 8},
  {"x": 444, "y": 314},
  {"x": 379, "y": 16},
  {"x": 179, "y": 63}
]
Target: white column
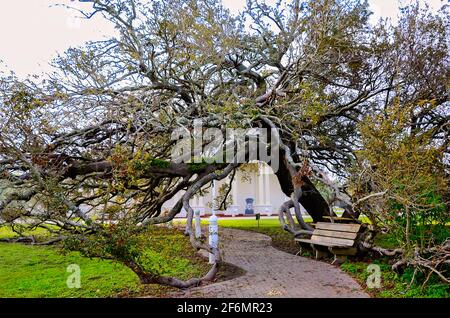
[
  {"x": 267, "y": 185},
  {"x": 201, "y": 204},
  {"x": 194, "y": 202},
  {"x": 261, "y": 185},
  {"x": 235, "y": 204},
  {"x": 198, "y": 228}
]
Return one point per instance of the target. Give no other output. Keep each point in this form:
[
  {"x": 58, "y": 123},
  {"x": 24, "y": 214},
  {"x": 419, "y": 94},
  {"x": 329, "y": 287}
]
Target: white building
[{"x": 260, "y": 186}]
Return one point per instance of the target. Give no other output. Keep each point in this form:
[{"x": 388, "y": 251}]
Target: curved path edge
[{"x": 273, "y": 273}]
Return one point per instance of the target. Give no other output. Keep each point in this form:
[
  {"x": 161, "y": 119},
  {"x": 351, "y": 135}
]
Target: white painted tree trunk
[{"x": 213, "y": 236}]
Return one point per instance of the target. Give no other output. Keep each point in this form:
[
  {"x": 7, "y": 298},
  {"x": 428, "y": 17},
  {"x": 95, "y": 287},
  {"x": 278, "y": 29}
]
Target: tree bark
[
  {"x": 147, "y": 278},
  {"x": 311, "y": 199}
]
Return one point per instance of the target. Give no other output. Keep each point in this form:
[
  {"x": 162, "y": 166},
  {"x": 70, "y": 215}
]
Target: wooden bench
[{"x": 339, "y": 239}]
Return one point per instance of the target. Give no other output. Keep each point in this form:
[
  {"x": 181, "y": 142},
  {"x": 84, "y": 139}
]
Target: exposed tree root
[
  {"x": 382, "y": 251},
  {"x": 146, "y": 278}
]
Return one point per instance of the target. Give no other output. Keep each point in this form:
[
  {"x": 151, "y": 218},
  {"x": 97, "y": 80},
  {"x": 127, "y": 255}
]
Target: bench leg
[
  {"x": 318, "y": 254},
  {"x": 339, "y": 259},
  {"x": 300, "y": 250}
]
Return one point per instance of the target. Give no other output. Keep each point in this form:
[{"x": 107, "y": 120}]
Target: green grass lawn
[
  {"x": 41, "y": 271},
  {"x": 38, "y": 271},
  {"x": 280, "y": 239},
  {"x": 393, "y": 285}
]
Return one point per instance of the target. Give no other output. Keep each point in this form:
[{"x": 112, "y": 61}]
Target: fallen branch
[
  {"x": 440, "y": 255},
  {"x": 382, "y": 251},
  {"x": 51, "y": 241},
  {"x": 22, "y": 239}
]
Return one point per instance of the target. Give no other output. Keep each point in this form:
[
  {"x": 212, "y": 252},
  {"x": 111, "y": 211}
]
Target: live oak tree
[{"x": 85, "y": 152}]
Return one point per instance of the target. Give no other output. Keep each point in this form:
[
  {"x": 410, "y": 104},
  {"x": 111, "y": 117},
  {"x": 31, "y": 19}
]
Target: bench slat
[
  {"x": 321, "y": 243},
  {"x": 316, "y": 239},
  {"x": 345, "y": 235},
  {"x": 354, "y": 228}
]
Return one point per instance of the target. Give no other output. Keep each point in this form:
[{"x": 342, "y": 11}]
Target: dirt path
[{"x": 273, "y": 273}]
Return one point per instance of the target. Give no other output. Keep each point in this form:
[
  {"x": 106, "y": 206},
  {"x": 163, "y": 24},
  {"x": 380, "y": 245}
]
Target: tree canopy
[{"x": 360, "y": 109}]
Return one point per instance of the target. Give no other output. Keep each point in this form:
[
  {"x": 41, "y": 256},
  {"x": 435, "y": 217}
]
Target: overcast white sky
[{"x": 32, "y": 31}]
